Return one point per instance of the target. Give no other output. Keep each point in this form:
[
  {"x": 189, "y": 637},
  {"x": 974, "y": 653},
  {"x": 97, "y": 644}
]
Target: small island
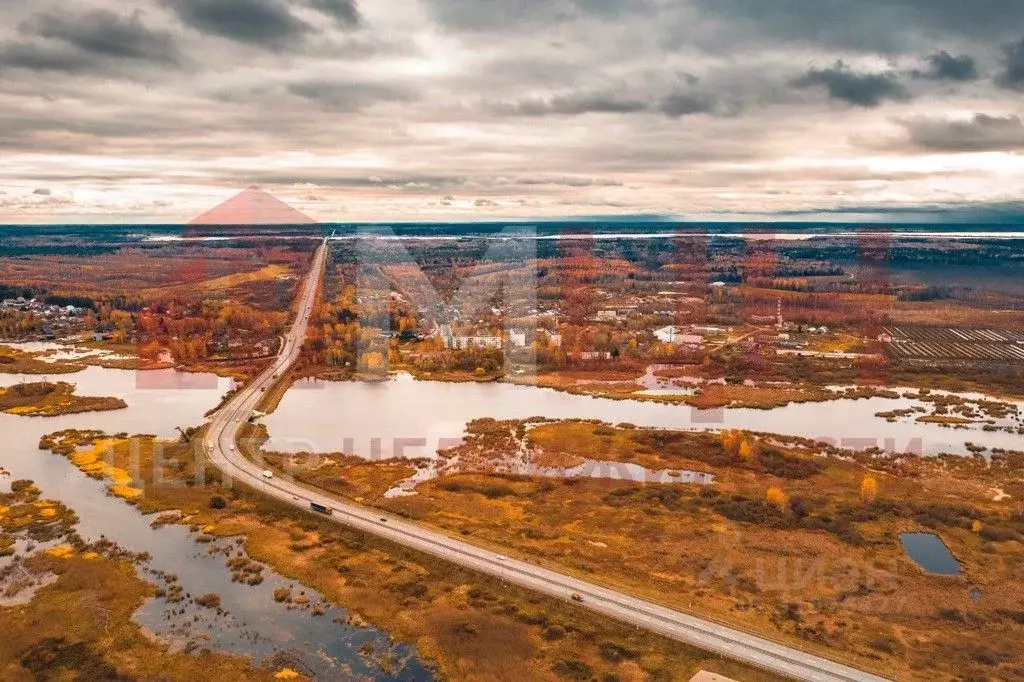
[{"x": 50, "y": 399}]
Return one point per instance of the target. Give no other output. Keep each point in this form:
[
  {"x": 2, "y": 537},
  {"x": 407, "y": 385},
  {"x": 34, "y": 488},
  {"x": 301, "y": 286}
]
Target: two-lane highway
[{"x": 222, "y": 449}]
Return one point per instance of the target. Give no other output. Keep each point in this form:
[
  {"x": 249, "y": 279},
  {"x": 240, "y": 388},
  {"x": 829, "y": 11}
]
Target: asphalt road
[{"x": 222, "y": 449}]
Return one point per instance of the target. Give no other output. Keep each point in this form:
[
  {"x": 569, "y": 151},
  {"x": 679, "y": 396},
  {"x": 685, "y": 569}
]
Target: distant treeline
[{"x": 77, "y": 301}]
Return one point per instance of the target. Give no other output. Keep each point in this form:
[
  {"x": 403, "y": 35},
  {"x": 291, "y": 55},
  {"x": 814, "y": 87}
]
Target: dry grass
[
  {"x": 758, "y": 397},
  {"x": 81, "y": 627},
  {"x": 45, "y": 399},
  {"x": 223, "y": 283},
  {"x": 617, "y": 385},
  {"x": 474, "y": 627},
  {"x": 78, "y": 625},
  {"x": 942, "y": 419},
  {"x": 14, "y": 361},
  {"x": 827, "y": 573}
]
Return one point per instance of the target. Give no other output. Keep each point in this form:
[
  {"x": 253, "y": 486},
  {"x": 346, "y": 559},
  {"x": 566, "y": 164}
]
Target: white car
[
  {"x": 231, "y": 447},
  {"x": 267, "y": 473}
]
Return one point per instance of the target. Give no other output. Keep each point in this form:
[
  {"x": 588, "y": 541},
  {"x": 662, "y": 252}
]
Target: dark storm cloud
[
  {"x": 94, "y": 40},
  {"x": 942, "y": 66},
  {"x": 345, "y": 11},
  {"x": 259, "y": 22},
  {"x": 978, "y": 134},
  {"x": 867, "y": 90},
  {"x": 348, "y": 96},
  {"x": 1012, "y": 75}
]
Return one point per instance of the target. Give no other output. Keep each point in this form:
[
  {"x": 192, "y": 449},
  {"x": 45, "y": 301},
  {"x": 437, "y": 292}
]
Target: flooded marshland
[{"x": 305, "y": 632}]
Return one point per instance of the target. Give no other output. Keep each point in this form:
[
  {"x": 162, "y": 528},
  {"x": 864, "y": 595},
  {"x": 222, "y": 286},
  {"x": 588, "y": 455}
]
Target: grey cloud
[
  {"x": 1012, "y": 76},
  {"x": 566, "y": 181},
  {"x": 44, "y": 57},
  {"x": 980, "y": 133},
  {"x": 345, "y": 11},
  {"x": 476, "y": 15},
  {"x": 942, "y": 66},
  {"x": 348, "y": 181},
  {"x": 574, "y": 104},
  {"x": 350, "y": 96},
  {"x": 511, "y": 72},
  {"x": 487, "y": 15},
  {"x": 99, "y": 40},
  {"x": 995, "y": 212},
  {"x": 866, "y": 25},
  {"x": 680, "y": 104},
  {"x": 260, "y": 22},
  {"x": 862, "y": 90},
  {"x": 103, "y": 32},
  {"x": 674, "y": 105}
]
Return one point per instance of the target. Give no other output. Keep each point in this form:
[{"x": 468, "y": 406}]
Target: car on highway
[
  {"x": 383, "y": 520},
  {"x": 267, "y": 473},
  {"x": 576, "y": 596},
  {"x": 231, "y": 447}
]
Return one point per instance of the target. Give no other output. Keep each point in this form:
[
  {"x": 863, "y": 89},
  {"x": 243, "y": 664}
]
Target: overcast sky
[{"x": 155, "y": 110}]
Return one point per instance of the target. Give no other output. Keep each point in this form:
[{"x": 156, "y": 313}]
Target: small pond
[{"x": 930, "y": 553}]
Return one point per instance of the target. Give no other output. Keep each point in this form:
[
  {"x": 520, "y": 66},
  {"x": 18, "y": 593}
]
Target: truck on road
[{"x": 319, "y": 508}]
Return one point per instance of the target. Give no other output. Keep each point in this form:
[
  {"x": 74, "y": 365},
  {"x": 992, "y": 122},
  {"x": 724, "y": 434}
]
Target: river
[{"x": 406, "y": 417}]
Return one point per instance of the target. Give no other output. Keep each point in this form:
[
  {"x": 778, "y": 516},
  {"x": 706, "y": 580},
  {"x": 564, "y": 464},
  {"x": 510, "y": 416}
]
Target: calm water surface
[
  {"x": 930, "y": 553},
  {"x": 416, "y": 418}
]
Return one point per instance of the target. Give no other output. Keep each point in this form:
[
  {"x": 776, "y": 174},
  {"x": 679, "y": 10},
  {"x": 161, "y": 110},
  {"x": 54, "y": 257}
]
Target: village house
[
  {"x": 707, "y": 329},
  {"x": 673, "y": 334},
  {"x": 454, "y": 342}
]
